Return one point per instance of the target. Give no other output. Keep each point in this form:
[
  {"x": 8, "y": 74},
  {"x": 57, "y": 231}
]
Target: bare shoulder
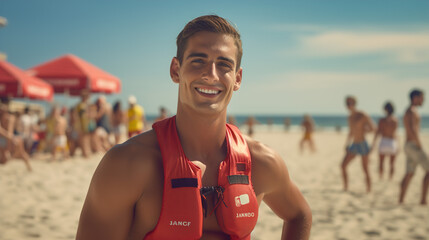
[
  {"x": 409, "y": 112},
  {"x": 131, "y": 165},
  {"x": 267, "y": 166},
  {"x": 363, "y": 114}
]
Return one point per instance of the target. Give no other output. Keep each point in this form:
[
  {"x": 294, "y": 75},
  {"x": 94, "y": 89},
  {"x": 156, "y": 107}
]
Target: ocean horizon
[{"x": 322, "y": 122}]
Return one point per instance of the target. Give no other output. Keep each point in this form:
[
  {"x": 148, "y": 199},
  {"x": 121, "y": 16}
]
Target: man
[
  {"x": 8, "y": 142},
  {"x": 359, "y": 124},
  {"x": 307, "y": 125},
  {"x": 413, "y": 146},
  {"x": 388, "y": 145},
  {"x": 162, "y": 114},
  {"x": 136, "y": 117},
  {"x": 82, "y": 110},
  {"x": 129, "y": 188},
  {"x": 26, "y": 126},
  {"x": 59, "y": 140}
]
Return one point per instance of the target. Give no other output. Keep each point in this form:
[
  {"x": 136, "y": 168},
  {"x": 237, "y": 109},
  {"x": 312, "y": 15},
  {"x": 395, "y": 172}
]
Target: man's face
[
  {"x": 419, "y": 100},
  {"x": 350, "y": 104},
  {"x": 207, "y": 76}
]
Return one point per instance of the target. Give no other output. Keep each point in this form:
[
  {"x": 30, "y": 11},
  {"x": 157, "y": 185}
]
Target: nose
[{"x": 210, "y": 72}]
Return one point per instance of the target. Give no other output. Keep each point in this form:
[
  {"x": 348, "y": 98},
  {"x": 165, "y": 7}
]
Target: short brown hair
[
  {"x": 351, "y": 100},
  {"x": 389, "y": 108},
  {"x": 415, "y": 93},
  {"x": 209, "y": 23}
]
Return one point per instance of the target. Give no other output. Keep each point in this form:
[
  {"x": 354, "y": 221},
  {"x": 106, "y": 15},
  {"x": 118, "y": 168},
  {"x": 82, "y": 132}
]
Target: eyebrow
[
  {"x": 203, "y": 55},
  {"x": 197, "y": 55}
]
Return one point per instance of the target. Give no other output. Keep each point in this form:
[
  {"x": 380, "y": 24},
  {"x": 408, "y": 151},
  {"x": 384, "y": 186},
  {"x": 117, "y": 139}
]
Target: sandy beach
[{"x": 46, "y": 203}]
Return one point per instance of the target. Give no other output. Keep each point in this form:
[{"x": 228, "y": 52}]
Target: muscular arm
[
  {"x": 350, "y": 134},
  {"x": 116, "y": 186},
  {"x": 370, "y": 126},
  {"x": 280, "y": 193}
]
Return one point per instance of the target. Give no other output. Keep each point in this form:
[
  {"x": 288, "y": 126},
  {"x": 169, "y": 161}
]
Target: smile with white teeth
[{"x": 208, "y": 91}]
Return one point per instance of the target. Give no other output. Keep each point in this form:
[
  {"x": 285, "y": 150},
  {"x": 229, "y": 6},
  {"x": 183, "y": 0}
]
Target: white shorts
[
  {"x": 60, "y": 141},
  {"x": 388, "y": 146}
]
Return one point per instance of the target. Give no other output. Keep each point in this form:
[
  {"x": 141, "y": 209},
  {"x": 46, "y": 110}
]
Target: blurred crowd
[{"x": 85, "y": 128}]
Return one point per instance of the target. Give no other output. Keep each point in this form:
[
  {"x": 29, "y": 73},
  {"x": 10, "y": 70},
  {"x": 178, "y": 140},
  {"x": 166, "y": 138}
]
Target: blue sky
[{"x": 299, "y": 56}]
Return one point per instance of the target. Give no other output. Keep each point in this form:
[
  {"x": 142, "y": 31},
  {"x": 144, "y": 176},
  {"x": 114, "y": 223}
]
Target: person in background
[
  {"x": 231, "y": 120},
  {"x": 287, "y": 124},
  {"x": 9, "y": 143},
  {"x": 359, "y": 125},
  {"x": 104, "y": 122},
  {"x": 250, "y": 122},
  {"x": 60, "y": 138},
  {"x": 136, "y": 117},
  {"x": 26, "y": 125},
  {"x": 85, "y": 124},
  {"x": 307, "y": 125},
  {"x": 413, "y": 147},
  {"x": 162, "y": 114},
  {"x": 118, "y": 121},
  {"x": 72, "y": 131},
  {"x": 95, "y": 141},
  {"x": 388, "y": 144}
]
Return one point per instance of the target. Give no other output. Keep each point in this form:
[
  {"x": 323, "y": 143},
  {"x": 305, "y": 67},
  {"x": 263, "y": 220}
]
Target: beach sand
[{"x": 46, "y": 203}]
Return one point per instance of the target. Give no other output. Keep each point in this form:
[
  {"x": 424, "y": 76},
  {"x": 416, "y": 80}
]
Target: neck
[{"x": 202, "y": 136}]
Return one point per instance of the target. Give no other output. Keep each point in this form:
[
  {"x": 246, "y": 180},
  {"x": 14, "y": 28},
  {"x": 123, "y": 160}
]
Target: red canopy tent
[
  {"x": 15, "y": 83},
  {"x": 70, "y": 74}
]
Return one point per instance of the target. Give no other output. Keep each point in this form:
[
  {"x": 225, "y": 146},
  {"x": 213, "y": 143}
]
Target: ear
[
  {"x": 238, "y": 77},
  {"x": 174, "y": 70}
]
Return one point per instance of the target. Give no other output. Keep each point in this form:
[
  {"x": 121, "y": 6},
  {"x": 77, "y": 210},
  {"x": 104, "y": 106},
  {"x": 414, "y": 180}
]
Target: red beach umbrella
[
  {"x": 70, "y": 74},
  {"x": 15, "y": 83}
]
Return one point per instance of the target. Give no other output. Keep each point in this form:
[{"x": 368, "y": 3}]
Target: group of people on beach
[
  {"x": 91, "y": 127},
  {"x": 360, "y": 124}
]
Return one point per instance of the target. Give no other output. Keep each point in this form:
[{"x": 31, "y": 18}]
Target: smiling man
[{"x": 194, "y": 176}]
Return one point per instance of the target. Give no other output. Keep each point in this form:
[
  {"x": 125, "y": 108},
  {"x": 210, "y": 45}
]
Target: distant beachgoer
[
  {"x": 287, "y": 124},
  {"x": 308, "y": 126},
  {"x": 338, "y": 128},
  {"x": 270, "y": 123},
  {"x": 8, "y": 142},
  {"x": 85, "y": 125},
  {"x": 413, "y": 146},
  {"x": 104, "y": 122},
  {"x": 118, "y": 121},
  {"x": 104, "y": 112},
  {"x": 162, "y": 114},
  {"x": 73, "y": 131},
  {"x": 359, "y": 125},
  {"x": 95, "y": 133},
  {"x": 250, "y": 122},
  {"x": 59, "y": 138},
  {"x": 136, "y": 117},
  {"x": 388, "y": 145},
  {"x": 231, "y": 120},
  {"x": 26, "y": 124}
]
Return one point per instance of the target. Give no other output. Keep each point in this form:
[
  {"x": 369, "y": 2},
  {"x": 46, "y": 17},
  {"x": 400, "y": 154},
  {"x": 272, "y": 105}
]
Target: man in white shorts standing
[{"x": 413, "y": 147}]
